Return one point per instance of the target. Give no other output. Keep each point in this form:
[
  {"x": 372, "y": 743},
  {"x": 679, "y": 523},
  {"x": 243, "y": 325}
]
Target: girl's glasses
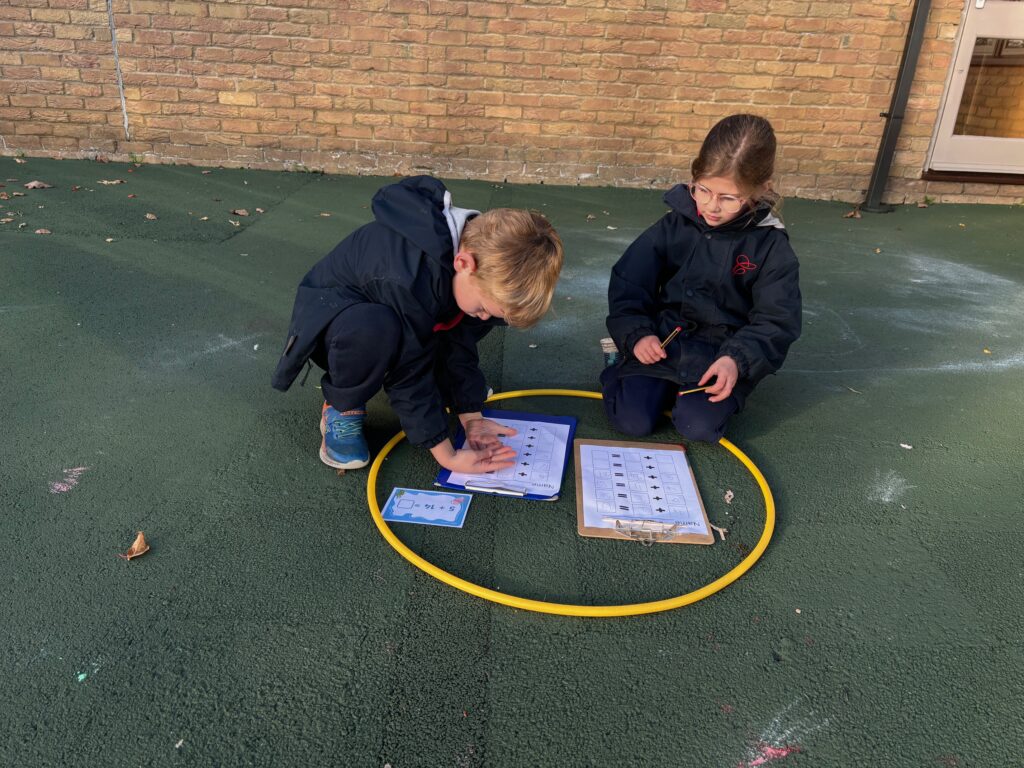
[{"x": 704, "y": 196}]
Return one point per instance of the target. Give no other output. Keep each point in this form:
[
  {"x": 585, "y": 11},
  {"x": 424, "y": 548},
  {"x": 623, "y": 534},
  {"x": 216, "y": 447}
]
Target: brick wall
[{"x": 613, "y": 92}]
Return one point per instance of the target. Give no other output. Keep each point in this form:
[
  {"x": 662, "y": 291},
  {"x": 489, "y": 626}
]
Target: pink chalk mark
[
  {"x": 70, "y": 480},
  {"x": 768, "y": 753}
]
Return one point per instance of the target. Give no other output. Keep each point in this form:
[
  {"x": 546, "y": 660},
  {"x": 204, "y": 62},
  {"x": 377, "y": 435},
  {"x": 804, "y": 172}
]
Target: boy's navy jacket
[
  {"x": 734, "y": 289},
  {"x": 403, "y": 260}
]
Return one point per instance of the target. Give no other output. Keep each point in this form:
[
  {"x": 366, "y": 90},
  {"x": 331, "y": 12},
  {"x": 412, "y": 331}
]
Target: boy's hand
[
  {"x": 648, "y": 350},
  {"x": 473, "y": 461},
  {"x": 476, "y": 462},
  {"x": 483, "y": 433},
  {"x": 726, "y": 373}
]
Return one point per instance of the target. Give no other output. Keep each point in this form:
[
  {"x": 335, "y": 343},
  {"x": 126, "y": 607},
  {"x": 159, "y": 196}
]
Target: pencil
[
  {"x": 691, "y": 391},
  {"x": 671, "y": 336}
]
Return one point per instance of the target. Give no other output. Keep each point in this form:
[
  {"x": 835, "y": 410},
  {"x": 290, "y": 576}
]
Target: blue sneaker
[{"x": 343, "y": 446}]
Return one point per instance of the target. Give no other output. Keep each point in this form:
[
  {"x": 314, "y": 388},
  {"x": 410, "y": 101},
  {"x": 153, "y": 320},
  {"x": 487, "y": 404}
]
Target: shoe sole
[{"x": 325, "y": 457}]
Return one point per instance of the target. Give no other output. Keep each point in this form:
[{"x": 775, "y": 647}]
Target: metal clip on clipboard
[{"x": 647, "y": 532}]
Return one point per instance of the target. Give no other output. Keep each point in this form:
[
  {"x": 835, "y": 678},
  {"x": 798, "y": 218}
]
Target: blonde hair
[
  {"x": 740, "y": 147},
  {"x": 518, "y": 257}
]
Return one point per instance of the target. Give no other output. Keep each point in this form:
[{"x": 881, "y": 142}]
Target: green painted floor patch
[{"x": 271, "y": 625}]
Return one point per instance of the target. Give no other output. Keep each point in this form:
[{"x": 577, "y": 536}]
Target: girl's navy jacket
[
  {"x": 403, "y": 260},
  {"x": 733, "y": 289}
]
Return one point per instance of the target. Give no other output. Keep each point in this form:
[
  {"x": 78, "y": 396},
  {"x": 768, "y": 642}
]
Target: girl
[{"x": 719, "y": 267}]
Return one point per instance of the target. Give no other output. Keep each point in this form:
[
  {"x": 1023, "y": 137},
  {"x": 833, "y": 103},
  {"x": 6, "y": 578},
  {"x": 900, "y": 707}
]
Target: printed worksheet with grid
[
  {"x": 541, "y": 450},
  {"x": 639, "y": 484}
]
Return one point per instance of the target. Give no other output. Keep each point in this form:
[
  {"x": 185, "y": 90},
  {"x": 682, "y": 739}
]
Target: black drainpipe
[{"x": 894, "y": 117}]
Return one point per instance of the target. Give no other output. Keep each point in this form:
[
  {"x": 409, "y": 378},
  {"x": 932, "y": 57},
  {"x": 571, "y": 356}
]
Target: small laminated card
[{"x": 411, "y": 505}]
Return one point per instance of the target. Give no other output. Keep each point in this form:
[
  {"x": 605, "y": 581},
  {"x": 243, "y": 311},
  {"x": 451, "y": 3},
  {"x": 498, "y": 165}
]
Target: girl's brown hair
[
  {"x": 518, "y": 258},
  {"x": 740, "y": 147}
]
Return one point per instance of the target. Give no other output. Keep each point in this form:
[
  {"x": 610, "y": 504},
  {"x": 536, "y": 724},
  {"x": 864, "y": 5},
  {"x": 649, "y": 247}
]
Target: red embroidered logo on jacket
[{"x": 743, "y": 265}]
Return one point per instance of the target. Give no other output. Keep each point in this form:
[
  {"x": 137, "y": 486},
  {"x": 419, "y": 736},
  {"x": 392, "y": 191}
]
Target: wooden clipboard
[{"x": 645, "y": 531}]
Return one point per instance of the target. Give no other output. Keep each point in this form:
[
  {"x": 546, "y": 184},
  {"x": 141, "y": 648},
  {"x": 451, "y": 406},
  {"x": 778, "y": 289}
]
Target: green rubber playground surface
[{"x": 272, "y": 625}]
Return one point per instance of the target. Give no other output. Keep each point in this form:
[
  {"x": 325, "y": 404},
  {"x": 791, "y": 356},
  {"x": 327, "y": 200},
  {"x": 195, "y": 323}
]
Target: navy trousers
[
  {"x": 361, "y": 345},
  {"x": 634, "y": 405},
  {"x": 357, "y": 350}
]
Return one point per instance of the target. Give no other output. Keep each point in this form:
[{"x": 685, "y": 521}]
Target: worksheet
[
  {"x": 541, "y": 445},
  {"x": 638, "y": 487}
]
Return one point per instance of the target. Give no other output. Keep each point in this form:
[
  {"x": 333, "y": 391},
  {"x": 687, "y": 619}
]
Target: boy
[{"x": 401, "y": 304}]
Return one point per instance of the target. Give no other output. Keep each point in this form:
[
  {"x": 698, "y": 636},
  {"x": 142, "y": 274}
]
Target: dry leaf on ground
[
  {"x": 43, "y": 232},
  {"x": 151, "y": 216},
  {"x": 234, "y": 223},
  {"x": 729, "y": 496},
  {"x": 111, "y": 181},
  {"x": 138, "y": 547},
  {"x": 240, "y": 212},
  {"x": 854, "y": 214},
  {"x": 38, "y": 185},
  {"x": 20, "y": 160}
]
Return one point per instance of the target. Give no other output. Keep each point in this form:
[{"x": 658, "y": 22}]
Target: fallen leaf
[
  {"x": 111, "y": 181},
  {"x": 110, "y": 239},
  {"x": 6, "y": 221},
  {"x": 43, "y": 232},
  {"x": 907, "y": 446},
  {"x": 151, "y": 216},
  {"x": 38, "y": 185},
  {"x": 922, "y": 205},
  {"x": 20, "y": 160},
  {"x": 234, "y": 223},
  {"x": 260, "y": 210},
  {"x": 139, "y": 547},
  {"x": 591, "y": 217},
  {"x": 17, "y": 194},
  {"x": 205, "y": 173},
  {"x": 611, "y": 227},
  {"x": 240, "y": 212},
  {"x": 4, "y": 196},
  {"x": 130, "y": 197},
  {"x": 878, "y": 250},
  {"x": 533, "y": 346},
  {"x": 987, "y": 351},
  {"x": 325, "y": 214},
  {"x": 341, "y": 472},
  {"x": 75, "y": 188},
  {"x": 962, "y": 226},
  {"x": 729, "y": 496},
  {"x": 204, "y": 218},
  {"x": 855, "y": 391},
  {"x": 854, "y": 214}
]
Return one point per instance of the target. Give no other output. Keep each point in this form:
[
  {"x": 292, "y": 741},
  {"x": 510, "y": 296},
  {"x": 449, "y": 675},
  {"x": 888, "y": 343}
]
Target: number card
[{"x": 410, "y": 505}]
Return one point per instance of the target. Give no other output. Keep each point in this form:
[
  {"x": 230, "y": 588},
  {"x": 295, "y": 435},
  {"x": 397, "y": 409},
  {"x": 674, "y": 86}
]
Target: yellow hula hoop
[{"x": 565, "y": 609}]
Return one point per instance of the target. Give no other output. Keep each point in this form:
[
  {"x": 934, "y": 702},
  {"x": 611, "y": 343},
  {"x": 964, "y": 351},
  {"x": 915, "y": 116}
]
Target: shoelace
[{"x": 347, "y": 426}]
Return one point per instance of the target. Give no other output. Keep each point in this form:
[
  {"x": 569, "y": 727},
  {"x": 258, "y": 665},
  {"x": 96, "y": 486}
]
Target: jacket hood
[
  {"x": 420, "y": 210},
  {"x": 681, "y": 201}
]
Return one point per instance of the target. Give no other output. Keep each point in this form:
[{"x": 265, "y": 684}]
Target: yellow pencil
[
  {"x": 691, "y": 391},
  {"x": 671, "y": 336}
]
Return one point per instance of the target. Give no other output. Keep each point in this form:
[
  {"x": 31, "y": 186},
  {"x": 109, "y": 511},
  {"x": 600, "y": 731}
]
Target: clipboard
[
  {"x": 518, "y": 487},
  {"x": 619, "y": 521}
]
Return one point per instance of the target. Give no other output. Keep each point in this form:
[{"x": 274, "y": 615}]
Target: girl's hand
[
  {"x": 648, "y": 350},
  {"x": 725, "y": 373},
  {"x": 484, "y": 434}
]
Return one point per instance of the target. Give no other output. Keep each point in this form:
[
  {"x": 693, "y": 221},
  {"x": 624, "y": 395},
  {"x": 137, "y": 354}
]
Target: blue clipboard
[{"x": 497, "y": 487}]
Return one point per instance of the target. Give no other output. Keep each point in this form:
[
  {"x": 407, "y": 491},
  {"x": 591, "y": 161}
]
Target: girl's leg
[
  {"x": 700, "y": 420},
  {"x": 634, "y": 403}
]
